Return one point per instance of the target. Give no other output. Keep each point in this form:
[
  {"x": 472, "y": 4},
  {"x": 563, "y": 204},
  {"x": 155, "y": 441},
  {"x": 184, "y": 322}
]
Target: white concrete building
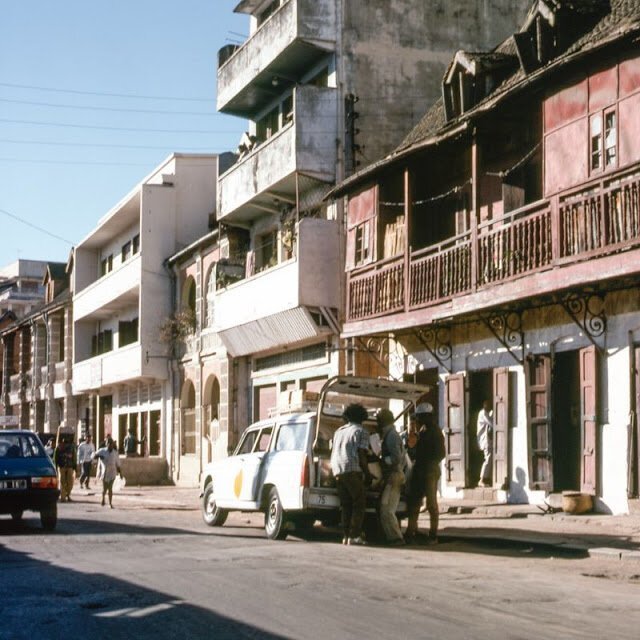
[
  {"x": 122, "y": 297},
  {"x": 21, "y": 288},
  {"x": 326, "y": 85}
]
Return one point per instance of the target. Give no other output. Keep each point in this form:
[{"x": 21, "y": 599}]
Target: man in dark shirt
[{"x": 429, "y": 452}]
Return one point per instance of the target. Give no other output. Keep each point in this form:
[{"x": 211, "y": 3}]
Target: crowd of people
[
  {"x": 412, "y": 458},
  {"x": 68, "y": 457}
]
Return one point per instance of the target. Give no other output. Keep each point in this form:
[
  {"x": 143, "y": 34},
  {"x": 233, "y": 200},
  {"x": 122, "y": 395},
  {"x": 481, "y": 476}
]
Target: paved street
[{"x": 149, "y": 569}]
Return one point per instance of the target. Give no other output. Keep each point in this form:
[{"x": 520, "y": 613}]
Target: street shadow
[{"x": 42, "y": 600}]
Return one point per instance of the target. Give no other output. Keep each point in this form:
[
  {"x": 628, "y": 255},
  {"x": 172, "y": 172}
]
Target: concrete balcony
[
  {"x": 306, "y": 145},
  {"x": 288, "y": 303},
  {"x": 113, "y": 292},
  {"x": 119, "y": 366},
  {"x": 290, "y": 42}
]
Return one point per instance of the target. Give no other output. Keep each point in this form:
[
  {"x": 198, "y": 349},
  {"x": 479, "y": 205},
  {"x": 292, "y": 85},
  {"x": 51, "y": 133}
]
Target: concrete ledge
[{"x": 144, "y": 471}]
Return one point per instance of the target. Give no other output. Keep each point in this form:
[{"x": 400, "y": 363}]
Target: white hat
[{"x": 424, "y": 407}]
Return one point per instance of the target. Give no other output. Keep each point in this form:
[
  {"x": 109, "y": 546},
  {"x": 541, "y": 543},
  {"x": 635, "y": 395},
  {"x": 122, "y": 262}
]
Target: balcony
[
  {"x": 306, "y": 146},
  {"x": 551, "y": 243},
  {"x": 286, "y": 46},
  {"x": 280, "y": 305},
  {"x": 113, "y": 292}
]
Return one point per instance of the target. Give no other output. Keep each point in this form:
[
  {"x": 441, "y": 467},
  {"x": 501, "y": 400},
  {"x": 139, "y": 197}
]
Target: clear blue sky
[{"x": 156, "y": 48}]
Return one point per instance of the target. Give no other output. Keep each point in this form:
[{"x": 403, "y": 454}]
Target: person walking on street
[
  {"x": 351, "y": 469},
  {"x": 111, "y": 460},
  {"x": 484, "y": 434},
  {"x": 64, "y": 457},
  {"x": 85, "y": 459},
  {"x": 392, "y": 459},
  {"x": 430, "y": 451}
]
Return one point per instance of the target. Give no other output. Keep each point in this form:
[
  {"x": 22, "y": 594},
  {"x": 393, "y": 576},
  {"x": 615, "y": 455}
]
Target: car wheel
[
  {"x": 16, "y": 516},
  {"x": 212, "y": 514},
  {"x": 49, "y": 517},
  {"x": 274, "y": 520}
]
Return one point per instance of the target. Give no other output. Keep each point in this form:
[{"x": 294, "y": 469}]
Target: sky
[{"x": 94, "y": 94}]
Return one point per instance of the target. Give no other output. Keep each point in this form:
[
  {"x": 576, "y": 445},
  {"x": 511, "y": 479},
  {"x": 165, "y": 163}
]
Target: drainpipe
[{"x": 172, "y": 371}]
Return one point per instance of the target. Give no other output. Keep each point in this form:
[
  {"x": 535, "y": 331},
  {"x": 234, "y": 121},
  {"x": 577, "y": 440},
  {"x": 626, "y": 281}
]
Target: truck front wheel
[{"x": 274, "y": 519}]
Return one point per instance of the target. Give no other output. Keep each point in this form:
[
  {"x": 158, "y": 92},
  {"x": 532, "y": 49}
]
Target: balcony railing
[{"x": 600, "y": 219}]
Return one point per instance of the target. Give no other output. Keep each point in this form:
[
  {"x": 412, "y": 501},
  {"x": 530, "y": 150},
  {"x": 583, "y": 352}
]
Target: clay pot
[{"x": 576, "y": 502}]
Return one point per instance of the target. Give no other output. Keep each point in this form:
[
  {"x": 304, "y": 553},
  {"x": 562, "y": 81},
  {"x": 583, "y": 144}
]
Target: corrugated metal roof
[{"x": 279, "y": 330}]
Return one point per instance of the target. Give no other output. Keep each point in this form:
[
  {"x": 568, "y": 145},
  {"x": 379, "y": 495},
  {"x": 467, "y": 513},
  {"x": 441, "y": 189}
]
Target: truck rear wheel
[
  {"x": 212, "y": 514},
  {"x": 274, "y": 519}
]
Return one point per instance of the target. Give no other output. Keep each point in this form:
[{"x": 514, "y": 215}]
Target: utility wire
[
  {"x": 76, "y": 162},
  {"x": 105, "y": 128},
  {"x": 94, "y": 108},
  {"x": 36, "y": 227},
  {"x": 95, "y": 144},
  {"x": 135, "y": 96}
]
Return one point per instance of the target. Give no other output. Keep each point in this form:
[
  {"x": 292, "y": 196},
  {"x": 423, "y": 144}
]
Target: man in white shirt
[
  {"x": 111, "y": 460},
  {"x": 484, "y": 432},
  {"x": 85, "y": 458}
]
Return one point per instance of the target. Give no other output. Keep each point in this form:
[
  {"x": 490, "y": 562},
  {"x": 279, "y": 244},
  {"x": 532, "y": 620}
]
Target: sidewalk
[{"x": 595, "y": 535}]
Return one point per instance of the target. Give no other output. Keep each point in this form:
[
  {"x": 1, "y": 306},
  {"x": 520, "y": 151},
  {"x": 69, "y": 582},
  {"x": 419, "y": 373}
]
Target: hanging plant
[{"x": 177, "y": 327}]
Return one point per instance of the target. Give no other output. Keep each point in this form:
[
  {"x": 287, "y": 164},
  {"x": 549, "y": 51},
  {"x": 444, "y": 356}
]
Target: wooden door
[
  {"x": 538, "y": 384},
  {"x": 588, "y": 418},
  {"x": 454, "y": 432},
  {"x": 634, "y": 479},
  {"x": 501, "y": 415}
]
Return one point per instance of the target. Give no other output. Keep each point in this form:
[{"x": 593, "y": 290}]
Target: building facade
[
  {"x": 21, "y": 288},
  {"x": 495, "y": 253},
  {"x": 122, "y": 298},
  {"x": 326, "y": 85}
]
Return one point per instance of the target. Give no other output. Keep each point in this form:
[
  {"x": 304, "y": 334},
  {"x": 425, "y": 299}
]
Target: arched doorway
[
  {"x": 211, "y": 434},
  {"x": 188, "y": 419}
]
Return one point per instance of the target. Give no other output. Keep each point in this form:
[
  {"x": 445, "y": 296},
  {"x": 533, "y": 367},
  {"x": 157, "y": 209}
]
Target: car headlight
[{"x": 44, "y": 482}]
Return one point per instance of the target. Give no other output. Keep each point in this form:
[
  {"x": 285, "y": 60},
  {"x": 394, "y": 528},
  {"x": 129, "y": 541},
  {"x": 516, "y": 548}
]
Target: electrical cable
[{"x": 35, "y": 226}]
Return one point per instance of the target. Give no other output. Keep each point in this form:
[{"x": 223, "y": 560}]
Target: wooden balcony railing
[{"x": 602, "y": 217}]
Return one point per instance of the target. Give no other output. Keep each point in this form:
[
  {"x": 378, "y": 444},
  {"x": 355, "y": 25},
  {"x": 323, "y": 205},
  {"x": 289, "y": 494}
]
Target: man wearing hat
[{"x": 430, "y": 451}]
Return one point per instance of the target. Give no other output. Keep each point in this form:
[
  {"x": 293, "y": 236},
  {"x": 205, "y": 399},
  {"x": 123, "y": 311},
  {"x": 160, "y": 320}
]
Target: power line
[
  {"x": 36, "y": 227},
  {"x": 95, "y": 144},
  {"x": 75, "y": 162},
  {"x": 135, "y": 96},
  {"x": 105, "y": 128},
  {"x": 94, "y": 108}
]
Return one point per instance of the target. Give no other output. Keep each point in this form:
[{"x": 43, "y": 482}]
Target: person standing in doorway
[
  {"x": 484, "y": 434},
  {"x": 392, "y": 459},
  {"x": 430, "y": 451},
  {"x": 351, "y": 469},
  {"x": 111, "y": 460},
  {"x": 85, "y": 459}
]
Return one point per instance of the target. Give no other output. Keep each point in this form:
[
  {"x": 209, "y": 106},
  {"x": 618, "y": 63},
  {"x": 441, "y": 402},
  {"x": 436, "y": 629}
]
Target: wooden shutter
[
  {"x": 501, "y": 415},
  {"x": 538, "y": 383},
  {"x": 454, "y": 432},
  {"x": 634, "y": 467},
  {"x": 588, "y": 418}
]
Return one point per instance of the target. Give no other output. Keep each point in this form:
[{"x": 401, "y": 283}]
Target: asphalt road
[{"x": 136, "y": 572}]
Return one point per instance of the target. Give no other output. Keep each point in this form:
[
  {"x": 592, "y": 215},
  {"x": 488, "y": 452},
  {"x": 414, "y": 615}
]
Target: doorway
[
  {"x": 480, "y": 389},
  {"x": 565, "y": 424}
]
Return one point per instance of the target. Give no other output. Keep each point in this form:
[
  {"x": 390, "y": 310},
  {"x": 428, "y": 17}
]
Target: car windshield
[{"x": 20, "y": 445}]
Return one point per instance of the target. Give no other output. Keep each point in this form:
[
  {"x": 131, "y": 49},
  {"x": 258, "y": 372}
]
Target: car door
[
  {"x": 227, "y": 476},
  {"x": 249, "y": 476}
]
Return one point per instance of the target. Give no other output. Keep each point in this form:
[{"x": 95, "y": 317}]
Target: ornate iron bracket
[
  {"x": 436, "y": 339},
  {"x": 586, "y": 309},
  {"x": 507, "y": 328},
  {"x": 377, "y": 347}
]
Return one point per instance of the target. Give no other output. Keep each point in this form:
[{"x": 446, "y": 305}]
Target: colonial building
[
  {"x": 326, "y": 85},
  {"x": 497, "y": 249},
  {"x": 21, "y": 287},
  {"x": 122, "y": 299},
  {"x": 36, "y": 364}
]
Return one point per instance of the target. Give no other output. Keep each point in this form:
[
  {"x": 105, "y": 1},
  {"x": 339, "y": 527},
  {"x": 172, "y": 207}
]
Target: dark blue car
[{"x": 28, "y": 480}]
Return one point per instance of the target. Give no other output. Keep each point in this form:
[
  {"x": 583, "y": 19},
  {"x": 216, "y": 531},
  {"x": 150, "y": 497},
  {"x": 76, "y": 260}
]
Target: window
[
  {"x": 102, "y": 342},
  {"x": 126, "y": 251},
  {"x": 266, "y": 250},
  {"x": 268, "y": 11},
  {"x": 211, "y": 293},
  {"x": 287, "y": 110},
  {"x": 135, "y": 244},
  {"x": 127, "y": 332},
  {"x": 106, "y": 265},
  {"x": 292, "y": 437},
  {"x": 247, "y": 442},
  {"x": 264, "y": 440},
  {"x": 603, "y": 132},
  {"x": 363, "y": 248},
  {"x": 268, "y": 125}
]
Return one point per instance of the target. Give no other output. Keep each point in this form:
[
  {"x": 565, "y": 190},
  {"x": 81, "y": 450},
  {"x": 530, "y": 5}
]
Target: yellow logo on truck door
[{"x": 237, "y": 484}]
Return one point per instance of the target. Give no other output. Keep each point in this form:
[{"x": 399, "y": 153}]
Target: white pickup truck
[{"x": 281, "y": 465}]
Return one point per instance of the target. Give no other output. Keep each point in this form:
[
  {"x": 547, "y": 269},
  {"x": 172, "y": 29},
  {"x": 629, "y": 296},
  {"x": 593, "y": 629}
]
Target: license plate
[
  {"x": 322, "y": 500},
  {"x": 13, "y": 484}
]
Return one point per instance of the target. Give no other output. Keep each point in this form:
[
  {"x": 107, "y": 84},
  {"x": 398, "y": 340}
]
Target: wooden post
[
  {"x": 407, "y": 230},
  {"x": 475, "y": 208}
]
